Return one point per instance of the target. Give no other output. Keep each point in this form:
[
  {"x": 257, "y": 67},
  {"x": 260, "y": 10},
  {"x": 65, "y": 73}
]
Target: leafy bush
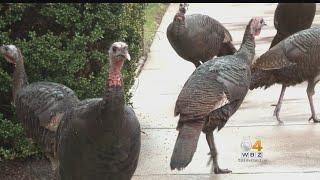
[
  {"x": 13, "y": 143},
  {"x": 67, "y": 43}
]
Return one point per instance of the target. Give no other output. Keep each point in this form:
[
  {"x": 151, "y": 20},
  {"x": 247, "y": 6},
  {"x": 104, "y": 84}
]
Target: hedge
[{"x": 65, "y": 43}]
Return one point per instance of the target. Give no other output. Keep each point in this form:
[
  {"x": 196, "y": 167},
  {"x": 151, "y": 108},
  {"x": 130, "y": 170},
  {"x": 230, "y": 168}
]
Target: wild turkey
[
  {"x": 100, "y": 138},
  {"x": 211, "y": 95},
  {"x": 39, "y": 105},
  {"x": 289, "y": 18},
  {"x": 290, "y": 62},
  {"x": 198, "y": 38}
]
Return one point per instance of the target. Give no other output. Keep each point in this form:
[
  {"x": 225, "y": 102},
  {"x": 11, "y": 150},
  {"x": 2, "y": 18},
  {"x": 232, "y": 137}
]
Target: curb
[
  {"x": 141, "y": 62},
  {"x": 143, "y": 59}
]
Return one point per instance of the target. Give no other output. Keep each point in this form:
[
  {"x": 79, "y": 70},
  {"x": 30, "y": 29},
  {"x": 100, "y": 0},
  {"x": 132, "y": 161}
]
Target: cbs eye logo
[
  {"x": 246, "y": 145},
  {"x": 251, "y": 153}
]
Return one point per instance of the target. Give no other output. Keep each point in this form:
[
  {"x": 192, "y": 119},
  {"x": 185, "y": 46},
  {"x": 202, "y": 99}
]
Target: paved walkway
[{"x": 291, "y": 150}]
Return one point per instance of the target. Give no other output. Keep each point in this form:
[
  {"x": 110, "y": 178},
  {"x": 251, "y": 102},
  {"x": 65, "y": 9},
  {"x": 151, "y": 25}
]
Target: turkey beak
[
  {"x": 2, "y": 49},
  {"x": 127, "y": 55},
  {"x": 264, "y": 23}
]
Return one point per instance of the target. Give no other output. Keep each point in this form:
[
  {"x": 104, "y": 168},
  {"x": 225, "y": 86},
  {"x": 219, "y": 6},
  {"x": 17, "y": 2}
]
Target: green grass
[{"x": 153, "y": 14}]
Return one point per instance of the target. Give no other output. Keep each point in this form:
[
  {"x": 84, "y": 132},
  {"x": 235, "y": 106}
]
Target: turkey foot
[
  {"x": 276, "y": 112},
  {"x": 213, "y": 152},
  {"x": 221, "y": 171},
  {"x": 315, "y": 119},
  {"x": 310, "y": 93},
  {"x": 216, "y": 169},
  {"x": 278, "y": 105}
]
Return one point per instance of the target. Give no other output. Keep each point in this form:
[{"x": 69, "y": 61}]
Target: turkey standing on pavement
[
  {"x": 198, "y": 38},
  {"x": 289, "y": 18},
  {"x": 296, "y": 59},
  {"x": 211, "y": 95}
]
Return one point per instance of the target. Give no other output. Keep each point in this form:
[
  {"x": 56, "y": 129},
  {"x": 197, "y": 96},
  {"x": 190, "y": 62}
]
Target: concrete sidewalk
[{"x": 291, "y": 150}]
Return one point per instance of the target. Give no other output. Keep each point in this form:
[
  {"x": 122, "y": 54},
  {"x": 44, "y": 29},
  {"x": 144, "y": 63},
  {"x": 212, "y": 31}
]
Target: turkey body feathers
[
  {"x": 40, "y": 106},
  {"x": 290, "y": 18},
  {"x": 214, "y": 82},
  {"x": 97, "y": 142},
  {"x": 290, "y": 62},
  {"x": 227, "y": 48},
  {"x": 199, "y": 38},
  {"x": 208, "y": 99}
]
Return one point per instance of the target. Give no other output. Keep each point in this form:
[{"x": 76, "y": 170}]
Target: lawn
[{"x": 153, "y": 14}]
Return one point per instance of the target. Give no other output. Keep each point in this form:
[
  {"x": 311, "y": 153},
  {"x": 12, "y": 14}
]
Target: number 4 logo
[{"x": 257, "y": 145}]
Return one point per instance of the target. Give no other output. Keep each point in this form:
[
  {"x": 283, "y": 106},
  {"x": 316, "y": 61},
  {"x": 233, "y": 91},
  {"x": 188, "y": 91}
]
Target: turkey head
[
  {"x": 180, "y": 14},
  {"x": 118, "y": 53},
  {"x": 256, "y": 24},
  {"x": 183, "y": 7},
  {"x": 10, "y": 53}
]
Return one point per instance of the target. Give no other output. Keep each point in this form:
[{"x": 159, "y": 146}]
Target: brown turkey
[
  {"x": 40, "y": 105},
  {"x": 292, "y": 61},
  {"x": 211, "y": 95},
  {"x": 198, "y": 38},
  {"x": 289, "y": 18},
  {"x": 100, "y": 139}
]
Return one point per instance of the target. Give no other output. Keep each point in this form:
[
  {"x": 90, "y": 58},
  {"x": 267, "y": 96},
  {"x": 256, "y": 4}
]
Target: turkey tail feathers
[
  {"x": 260, "y": 78},
  {"x": 186, "y": 144}
]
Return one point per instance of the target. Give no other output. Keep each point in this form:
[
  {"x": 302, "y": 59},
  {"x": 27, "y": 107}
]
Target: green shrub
[
  {"x": 67, "y": 43},
  {"x": 13, "y": 143}
]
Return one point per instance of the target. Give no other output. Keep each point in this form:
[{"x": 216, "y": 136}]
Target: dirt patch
[{"x": 26, "y": 169}]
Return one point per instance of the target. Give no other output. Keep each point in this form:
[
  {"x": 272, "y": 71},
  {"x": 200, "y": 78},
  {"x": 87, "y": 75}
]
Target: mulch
[{"x": 26, "y": 169}]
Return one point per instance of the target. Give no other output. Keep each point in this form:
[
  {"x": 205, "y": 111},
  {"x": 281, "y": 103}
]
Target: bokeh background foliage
[{"x": 65, "y": 43}]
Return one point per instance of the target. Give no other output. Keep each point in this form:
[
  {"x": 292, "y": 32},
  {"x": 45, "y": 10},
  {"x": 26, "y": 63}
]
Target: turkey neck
[
  {"x": 179, "y": 29},
  {"x": 19, "y": 75},
  {"x": 247, "y": 48},
  {"x": 113, "y": 99}
]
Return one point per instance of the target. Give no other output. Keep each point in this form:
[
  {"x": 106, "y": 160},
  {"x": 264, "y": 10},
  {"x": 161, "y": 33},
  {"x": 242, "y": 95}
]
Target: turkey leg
[
  {"x": 214, "y": 155},
  {"x": 278, "y": 105},
  {"x": 310, "y": 93}
]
